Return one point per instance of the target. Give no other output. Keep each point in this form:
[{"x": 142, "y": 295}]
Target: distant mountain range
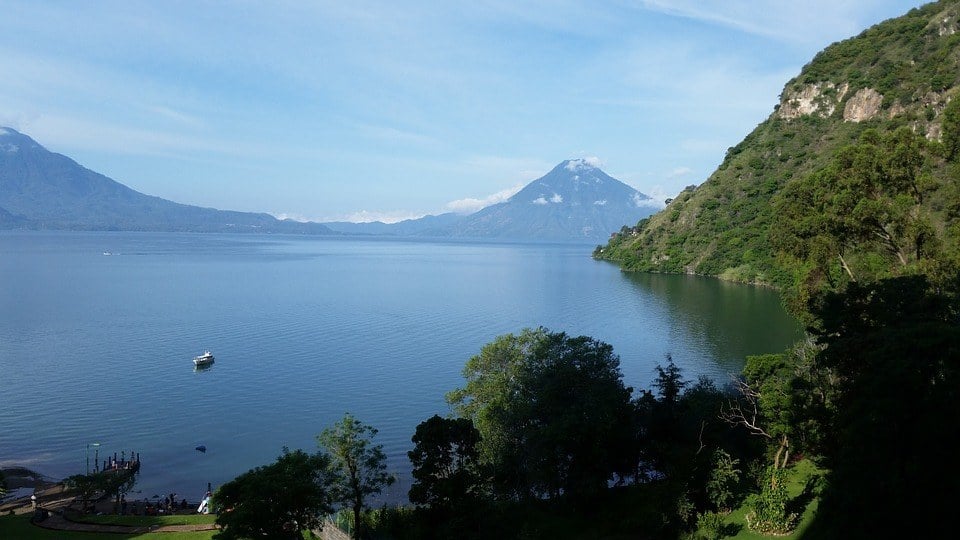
[
  {"x": 574, "y": 202},
  {"x": 39, "y": 189}
]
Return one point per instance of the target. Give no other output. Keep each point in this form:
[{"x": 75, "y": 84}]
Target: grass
[
  {"x": 800, "y": 473},
  {"x": 147, "y": 521},
  {"x": 19, "y": 527}
]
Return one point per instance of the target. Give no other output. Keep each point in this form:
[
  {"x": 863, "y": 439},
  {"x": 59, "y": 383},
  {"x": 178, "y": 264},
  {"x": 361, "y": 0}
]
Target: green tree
[
  {"x": 770, "y": 513},
  {"x": 278, "y": 500},
  {"x": 951, "y": 129},
  {"x": 860, "y": 218},
  {"x": 445, "y": 462},
  {"x": 576, "y": 413},
  {"x": 894, "y": 348},
  {"x": 668, "y": 439},
  {"x": 360, "y": 465},
  {"x": 669, "y": 384},
  {"x": 490, "y": 377},
  {"x": 114, "y": 484},
  {"x": 552, "y": 410},
  {"x": 84, "y": 485},
  {"x": 724, "y": 477},
  {"x": 766, "y": 404}
]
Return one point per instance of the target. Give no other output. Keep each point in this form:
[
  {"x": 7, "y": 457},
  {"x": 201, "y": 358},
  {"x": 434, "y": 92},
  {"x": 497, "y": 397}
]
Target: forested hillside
[
  {"x": 848, "y": 199},
  {"x": 902, "y": 73}
]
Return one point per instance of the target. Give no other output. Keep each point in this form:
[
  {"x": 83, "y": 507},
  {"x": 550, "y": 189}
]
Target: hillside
[
  {"x": 40, "y": 189},
  {"x": 900, "y": 73}
]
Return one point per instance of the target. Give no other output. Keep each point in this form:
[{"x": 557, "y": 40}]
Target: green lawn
[
  {"x": 20, "y": 528},
  {"x": 800, "y": 473},
  {"x": 146, "y": 521}
]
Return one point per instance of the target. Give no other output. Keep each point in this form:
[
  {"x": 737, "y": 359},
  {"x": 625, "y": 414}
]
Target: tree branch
[{"x": 744, "y": 412}]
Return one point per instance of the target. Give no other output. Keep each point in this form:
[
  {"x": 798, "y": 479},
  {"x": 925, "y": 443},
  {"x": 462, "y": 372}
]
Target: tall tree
[
  {"x": 361, "y": 466},
  {"x": 445, "y": 460},
  {"x": 786, "y": 399},
  {"x": 278, "y": 500},
  {"x": 555, "y": 409},
  {"x": 490, "y": 377}
]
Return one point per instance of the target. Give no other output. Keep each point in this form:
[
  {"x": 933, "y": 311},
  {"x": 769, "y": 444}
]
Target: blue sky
[{"x": 387, "y": 110}]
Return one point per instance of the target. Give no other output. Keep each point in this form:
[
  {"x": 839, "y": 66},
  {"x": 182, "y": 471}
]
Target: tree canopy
[
  {"x": 445, "y": 460},
  {"x": 552, "y": 410},
  {"x": 862, "y": 217},
  {"x": 277, "y": 500}
]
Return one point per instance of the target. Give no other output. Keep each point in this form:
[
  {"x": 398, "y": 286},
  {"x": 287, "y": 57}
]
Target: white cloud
[
  {"x": 679, "y": 172},
  {"x": 471, "y": 205},
  {"x": 293, "y": 217},
  {"x": 540, "y": 200},
  {"x": 389, "y": 216},
  {"x": 593, "y": 161},
  {"x": 600, "y": 203},
  {"x": 361, "y": 216},
  {"x": 556, "y": 199},
  {"x": 580, "y": 163},
  {"x": 647, "y": 203}
]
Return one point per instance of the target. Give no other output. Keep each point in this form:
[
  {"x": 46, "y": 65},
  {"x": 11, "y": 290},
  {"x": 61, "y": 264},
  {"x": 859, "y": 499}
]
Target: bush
[
  {"x": 724, "y": 477},
  {"x": 769, "y": 508},
  {"x": 710, "y": 526}
]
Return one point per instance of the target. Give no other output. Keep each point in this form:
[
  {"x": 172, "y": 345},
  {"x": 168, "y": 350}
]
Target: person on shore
[
  {"x": 204, "y": 507},
  {"x": 33, "y": 500}
]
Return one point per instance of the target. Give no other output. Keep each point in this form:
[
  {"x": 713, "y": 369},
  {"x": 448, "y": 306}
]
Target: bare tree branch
[{"x": 744, "y": 412}]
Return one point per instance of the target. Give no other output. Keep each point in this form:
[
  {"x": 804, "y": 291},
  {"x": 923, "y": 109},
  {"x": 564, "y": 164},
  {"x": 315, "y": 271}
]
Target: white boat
[{"x": 204, "y": 359}]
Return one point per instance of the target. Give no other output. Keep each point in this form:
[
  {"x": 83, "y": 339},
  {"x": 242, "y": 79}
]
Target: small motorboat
[{"x": 204, "y": 359}]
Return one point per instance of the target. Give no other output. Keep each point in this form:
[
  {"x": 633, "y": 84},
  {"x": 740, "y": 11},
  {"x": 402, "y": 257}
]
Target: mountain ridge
[
  {"x": 40, "y": 189},
  {"x": 899, "y": 73}
]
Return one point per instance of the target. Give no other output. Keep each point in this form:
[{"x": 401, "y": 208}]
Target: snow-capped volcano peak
[{"x": 580, "y": 164}]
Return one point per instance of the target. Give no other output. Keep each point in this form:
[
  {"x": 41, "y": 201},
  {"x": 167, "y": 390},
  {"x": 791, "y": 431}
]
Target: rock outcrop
[{"x": 863, "y": 105}]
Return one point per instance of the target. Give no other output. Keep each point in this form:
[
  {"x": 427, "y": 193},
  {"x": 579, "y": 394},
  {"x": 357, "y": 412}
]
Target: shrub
[
  {"x": 710, "y": 526},
  {"x": 723, "y": 481},
  {"x": 769, "y": 508}
]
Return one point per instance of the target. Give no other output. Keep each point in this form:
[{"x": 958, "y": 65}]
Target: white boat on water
[{"x": 203, "y": 360}]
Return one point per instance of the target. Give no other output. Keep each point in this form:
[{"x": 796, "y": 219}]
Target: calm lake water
[{"x": 97, "y": 333}]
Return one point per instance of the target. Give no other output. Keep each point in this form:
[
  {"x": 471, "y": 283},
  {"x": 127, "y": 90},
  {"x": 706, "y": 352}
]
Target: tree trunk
[
  {"x": 843, "y": 263},
  {"x": 783, "y": 450},
  {"x": 356, "y": 520}
]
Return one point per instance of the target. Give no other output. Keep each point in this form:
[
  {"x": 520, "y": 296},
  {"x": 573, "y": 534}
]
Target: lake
[{"x": 98, "y": 330}]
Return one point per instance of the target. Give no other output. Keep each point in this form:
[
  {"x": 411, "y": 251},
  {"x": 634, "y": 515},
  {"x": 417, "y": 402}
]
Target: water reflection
[{"x": 731, "y": 320}]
